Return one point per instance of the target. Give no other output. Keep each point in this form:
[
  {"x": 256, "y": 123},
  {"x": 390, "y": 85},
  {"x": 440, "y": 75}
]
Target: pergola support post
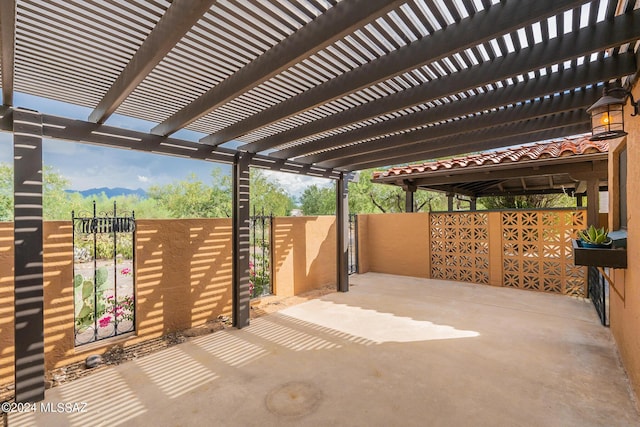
[
  {"x": 410, "y": 196},
  {"x": 450, "y": 202},
  {"x": 28, "y": 257},
  {"x": 342, "y": 229},
  {"x": 473, "y": 204},
  {"x": 593, "y": 202},
  {"x": 241, "y": 295},
  {"x": 579, "y": 200},
  {"x": 409, "y": 201}
]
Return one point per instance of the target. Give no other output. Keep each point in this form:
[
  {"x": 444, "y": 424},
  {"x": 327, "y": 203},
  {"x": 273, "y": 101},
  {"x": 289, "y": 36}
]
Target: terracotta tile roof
[{"x": 554, "y": 149}]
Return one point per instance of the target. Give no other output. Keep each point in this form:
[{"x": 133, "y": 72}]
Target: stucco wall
[
  {"x": 304, "y": 254},
  {"x": 6, "y": 302},
  {"x": 363, "y": 244},
  {"x": 183, "y": 279},
  {"x": 396, "y": 243},
  {"x": 625, "y": 293}
]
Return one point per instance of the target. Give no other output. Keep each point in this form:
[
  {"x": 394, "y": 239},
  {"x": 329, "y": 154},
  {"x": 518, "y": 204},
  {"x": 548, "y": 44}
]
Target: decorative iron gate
[
  {"x": 260, "y": 226},
  {"x": 103, "y": 274},
  {"x": 353, "y": 243},
  {"x": 599, "y": 294}
]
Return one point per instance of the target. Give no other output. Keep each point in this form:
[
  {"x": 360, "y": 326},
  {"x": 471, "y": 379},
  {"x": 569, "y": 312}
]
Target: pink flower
[
  {"x": 105, "y": 321},
  {"x": 126, "y": 271}
]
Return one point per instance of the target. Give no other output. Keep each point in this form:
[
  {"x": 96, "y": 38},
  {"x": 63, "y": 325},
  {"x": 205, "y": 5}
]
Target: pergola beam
[
  {"x": 588, "y": 73},
  {"x": 8, "y": 42},
  {"x": 110, "y": 136},
  {"x": 338, "y": 21},
  {"x": 528, "y": 111},
  {"x": 483, "y": 26},
  {"x": 482, "y": 141},
  {"x": 179, "y": 18},
  {"x": 459, "y": 142}
]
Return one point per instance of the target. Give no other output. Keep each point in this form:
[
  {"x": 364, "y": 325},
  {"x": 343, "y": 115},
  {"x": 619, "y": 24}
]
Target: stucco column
[
  {"x": 342, "y": 230},
  {"x": 241, "y": 242},
  {"x": 28, "y": 256}
]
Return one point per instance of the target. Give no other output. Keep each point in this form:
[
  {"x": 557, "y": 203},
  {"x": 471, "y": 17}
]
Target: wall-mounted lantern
[{"x": 607, "y": 114}]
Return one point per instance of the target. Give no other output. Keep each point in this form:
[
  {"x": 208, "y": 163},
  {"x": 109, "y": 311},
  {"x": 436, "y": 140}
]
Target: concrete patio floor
[{"x": 394, "y": 351}]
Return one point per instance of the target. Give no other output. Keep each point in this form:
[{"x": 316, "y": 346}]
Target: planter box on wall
[{"x": 599, "y": 257}]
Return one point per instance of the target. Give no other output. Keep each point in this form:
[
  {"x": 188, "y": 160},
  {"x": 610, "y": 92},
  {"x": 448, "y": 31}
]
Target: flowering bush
[
  {"x": 259, "y": 280},
  {"x": 94, "y": 301},
  {"x": 116, "y": 311},
  {"x": 104, "y": 322}
]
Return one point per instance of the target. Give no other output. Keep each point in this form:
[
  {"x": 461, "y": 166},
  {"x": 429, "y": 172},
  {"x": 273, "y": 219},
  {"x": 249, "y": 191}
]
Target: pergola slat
[
  {"x": 174, "y": 24},
  {"x": 602, "y": 36},
  {"x": 483, "y": 26},
  {"x": 329, "y": 27},
  {"x": 8, "y": 43},
  {"x": 588, "y": 73},
  {"x": 393, "y": 144},
  {"x": 486, "y": 139}
]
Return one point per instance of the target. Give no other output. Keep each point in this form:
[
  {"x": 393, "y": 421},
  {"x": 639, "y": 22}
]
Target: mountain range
[{"x": 111, "y": 192}]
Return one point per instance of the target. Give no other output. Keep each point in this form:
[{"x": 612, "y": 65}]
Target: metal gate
[
  {"x": 103, "y": 274},
  {"x": 353, "y": 243},
  {"x": 599, "y": 294},
  {"x": 260, "y": 226}
]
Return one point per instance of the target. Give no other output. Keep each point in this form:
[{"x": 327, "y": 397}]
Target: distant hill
[{"x": 111, "y": 192}]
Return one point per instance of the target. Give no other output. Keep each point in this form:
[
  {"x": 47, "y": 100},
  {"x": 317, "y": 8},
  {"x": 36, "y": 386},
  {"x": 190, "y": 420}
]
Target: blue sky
[{"x": 88, "y": 166}]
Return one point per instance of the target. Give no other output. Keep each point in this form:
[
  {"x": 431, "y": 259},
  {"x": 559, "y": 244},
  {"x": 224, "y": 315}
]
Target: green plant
[
  {"x": 259, "y": 280},
  {"x": 84, "y": 291},
  {"x": 593, "y": 235}
]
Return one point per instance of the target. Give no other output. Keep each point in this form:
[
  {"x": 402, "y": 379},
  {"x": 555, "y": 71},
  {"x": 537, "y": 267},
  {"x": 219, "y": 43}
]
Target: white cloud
[
  {"x": 296, "y": 184},
  {"x": 143, "y": 178}
]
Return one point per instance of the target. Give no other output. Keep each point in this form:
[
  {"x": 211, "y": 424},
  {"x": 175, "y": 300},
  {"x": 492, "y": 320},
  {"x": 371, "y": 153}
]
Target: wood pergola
[{"x": 315, "y": 87}]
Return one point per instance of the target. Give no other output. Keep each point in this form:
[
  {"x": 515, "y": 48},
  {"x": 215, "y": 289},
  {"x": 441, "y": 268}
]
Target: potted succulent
[
  {"x": 594, "y": 247},
  {"x": 594, "y": 237}
]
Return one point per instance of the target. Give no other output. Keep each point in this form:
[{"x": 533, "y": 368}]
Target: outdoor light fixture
[{"x": 607, "y": 114}]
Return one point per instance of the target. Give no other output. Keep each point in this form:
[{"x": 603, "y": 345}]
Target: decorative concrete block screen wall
[
  {"x": 537, "y": 251},
  {"x": 522, "y": 249}
]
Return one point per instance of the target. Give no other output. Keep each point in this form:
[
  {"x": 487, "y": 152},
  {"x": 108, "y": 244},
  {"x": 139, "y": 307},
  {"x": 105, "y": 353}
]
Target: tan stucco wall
[
  {"x": 625, "y": 294},
  {"x": 6, "y": 302},
  {"x": 304, "y": 254},
  {"x": 183, "y": 279},
  {"x": 363, "y": 244},
  {"x": 396, "y": 243}
]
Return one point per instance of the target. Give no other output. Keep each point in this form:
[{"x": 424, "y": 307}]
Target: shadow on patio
[{"x": 393, "y": 351}]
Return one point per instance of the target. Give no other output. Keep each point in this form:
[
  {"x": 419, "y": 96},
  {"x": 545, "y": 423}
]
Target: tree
[
  {"x": 55, "y": 201},
  {"x": 367, "y": 197},
  {"x": 6, "y": 192},
  {"x": 532, "y": 201},
  {"x": 268, "y": 196},
  {"x": 317, "y": 200},
  {"x": 189, "y": 198}
]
